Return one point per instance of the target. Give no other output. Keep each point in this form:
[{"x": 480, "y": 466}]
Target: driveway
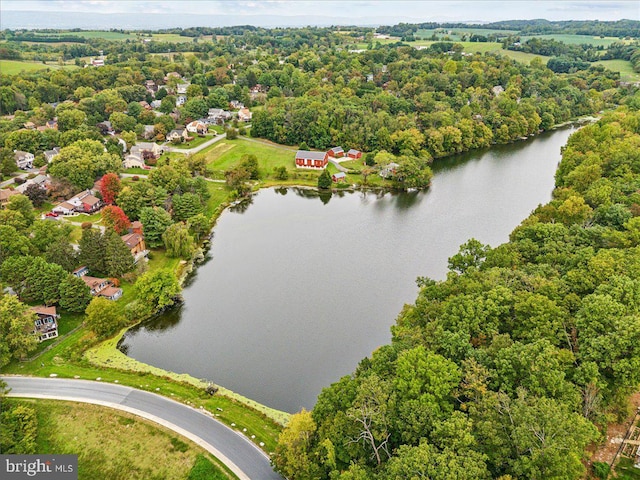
[
  {"x": 191, "y": 151},
  {"x": 244, "y": 458}
]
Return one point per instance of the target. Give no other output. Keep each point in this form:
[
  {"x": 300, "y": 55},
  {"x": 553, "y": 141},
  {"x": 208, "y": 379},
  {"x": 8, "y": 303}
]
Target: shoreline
[{"x": 104, "y": 354}]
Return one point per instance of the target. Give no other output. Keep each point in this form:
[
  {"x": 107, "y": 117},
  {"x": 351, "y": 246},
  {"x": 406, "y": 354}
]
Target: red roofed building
[
  {"x": 315, "y": 160},
  {"x": 102, "y": 287},
  {"x": 353, "y": 153},
  {"x": 336, "y": 152}
]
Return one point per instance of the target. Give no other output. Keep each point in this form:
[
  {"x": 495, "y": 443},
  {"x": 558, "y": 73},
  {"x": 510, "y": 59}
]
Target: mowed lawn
[
  {"x": 11, "y": 67},
  {"x": 225, "y": 154},
  {"x": 128, "y": 447}
]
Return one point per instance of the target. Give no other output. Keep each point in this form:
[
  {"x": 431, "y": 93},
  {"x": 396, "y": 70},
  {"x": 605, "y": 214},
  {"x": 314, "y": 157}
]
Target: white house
[
  {"x": 133, "y": 161},
  {"x": 244, "y": 115},
  {"x": 197, "y": 127},
  {"x": 24, "y": 160},
  {"x": 49, "y": 155}
]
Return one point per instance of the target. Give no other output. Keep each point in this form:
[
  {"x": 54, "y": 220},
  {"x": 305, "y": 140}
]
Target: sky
[{"x": 328, "y": 11}]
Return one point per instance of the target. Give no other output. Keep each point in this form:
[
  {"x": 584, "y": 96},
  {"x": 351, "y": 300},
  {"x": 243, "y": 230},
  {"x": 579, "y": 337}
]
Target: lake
[{"x": 298, "y": 288}]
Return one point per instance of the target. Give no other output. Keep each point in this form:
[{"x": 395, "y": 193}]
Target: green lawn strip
[
  {"x": 217, "y": 201},
  {"x": 137, "y": 171},
  {"x": 194, "y": 143},
  {"x": 204, "y": 469},
  {"x": 127, "y": 447}
]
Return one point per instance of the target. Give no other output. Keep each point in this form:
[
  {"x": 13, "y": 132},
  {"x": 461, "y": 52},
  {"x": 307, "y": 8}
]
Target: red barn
[
  {"x": 355, "y": 154},
  {"x": 336, "y": 152},
  {"x": 339, "y": 177},
  {"x": 307, "y": 159}
]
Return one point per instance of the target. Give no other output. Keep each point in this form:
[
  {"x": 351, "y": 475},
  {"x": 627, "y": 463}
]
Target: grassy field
[
  {"x": 96, "y": 34},
  {"x": 457, "y": 33},
  {"x": 11, "y": 67},
  {"x": 575, "y": 39},
  {"x": 627, "y": 74},
  {"x": 128, "y": 447},
  {"x": 227, "y": 153}
]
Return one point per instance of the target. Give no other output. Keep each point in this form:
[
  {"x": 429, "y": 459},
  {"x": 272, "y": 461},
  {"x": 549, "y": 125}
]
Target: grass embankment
[
  {"x": 128, "y": 447},
  {"x": 68, "y": 360}
]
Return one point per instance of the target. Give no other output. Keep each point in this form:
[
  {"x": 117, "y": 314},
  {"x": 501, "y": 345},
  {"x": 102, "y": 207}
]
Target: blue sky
[{"x": 391, "y": 11}]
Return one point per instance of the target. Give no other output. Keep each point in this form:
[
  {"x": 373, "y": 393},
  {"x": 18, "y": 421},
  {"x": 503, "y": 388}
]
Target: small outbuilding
[{"x": 339, "y": 177}]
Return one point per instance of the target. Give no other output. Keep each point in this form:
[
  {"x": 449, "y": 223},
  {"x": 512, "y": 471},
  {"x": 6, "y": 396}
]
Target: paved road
[{"x": 244, "y": 458}]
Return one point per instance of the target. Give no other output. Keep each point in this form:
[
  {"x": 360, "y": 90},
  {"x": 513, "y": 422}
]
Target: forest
[{"x": 512, "y": 366}]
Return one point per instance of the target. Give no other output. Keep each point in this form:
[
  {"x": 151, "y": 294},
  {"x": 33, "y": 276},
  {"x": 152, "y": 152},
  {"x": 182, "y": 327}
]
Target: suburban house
[
  {"x": 197, "y": 127},
  {"x": 151, "y": 87},
  {"x": 30, "y": 126},
  {"x": 105, "y": 128},
  {"x": 133, "y": 160},
  {"x": 181, "y": 100},
  {"x": 84, "y": 202},
  {"x": 236, "y": 105},
  {"x": 24, "y": 160},
  {"x": 218, "y": 116},
  {"x": 145, "y": 105},
  {"x": 156, "y": 104},
  {"x": 5, "y": 195},
  {"x": 41, "y": 181},
  {"x": 52, "y": 124},
  {"x": 142, "y": 147},
  {"x": 64, "y": 208},
  {"x": 336, "y": 152},
  {"x": 80, "y": 271},
  {"x": 178, "y": 133},
  {"x": 339, "y": 177},
  {"x": 149, "y": 132},
  {"x": 389, "y": 170},
  {"x": 102, "y": 287},
  {"x": 244, "y": 115},
  {"x": 50, "y": 154},
  {"x": 46, "y": 325},
  {"x": 135, "y": 244},
  {"x": 355, "y": 154},
  {"x": 307, "y": 159},
  {"x": 181, "y": 88}
]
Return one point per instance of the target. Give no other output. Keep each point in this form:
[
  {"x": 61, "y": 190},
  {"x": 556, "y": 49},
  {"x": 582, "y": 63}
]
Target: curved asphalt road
[{"x": 245, "y": 459}]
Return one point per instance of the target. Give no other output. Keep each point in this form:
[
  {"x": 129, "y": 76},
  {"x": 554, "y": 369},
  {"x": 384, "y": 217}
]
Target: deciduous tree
[
  {"x": 115, "y": 218},
  {"x": 110, "y": 187},
  {"x": 102, "y": 318}
]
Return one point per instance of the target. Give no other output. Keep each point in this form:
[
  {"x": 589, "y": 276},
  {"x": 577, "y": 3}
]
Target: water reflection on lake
[{"x": 300, "y": 287}]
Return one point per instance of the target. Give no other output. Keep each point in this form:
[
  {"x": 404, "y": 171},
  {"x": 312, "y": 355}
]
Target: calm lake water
[{"x": 298, "y": 289}]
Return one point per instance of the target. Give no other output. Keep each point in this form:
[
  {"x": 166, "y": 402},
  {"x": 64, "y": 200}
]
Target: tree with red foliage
[
  {"x": 115, "y": 218},
  {"x": 110, "y": 187}
]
